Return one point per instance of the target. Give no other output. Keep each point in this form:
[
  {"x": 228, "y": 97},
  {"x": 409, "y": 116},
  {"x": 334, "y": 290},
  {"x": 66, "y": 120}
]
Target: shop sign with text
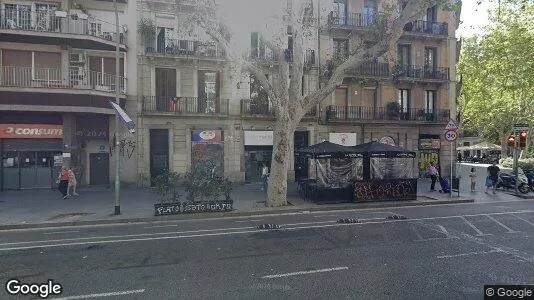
[
  {"x": 258, "y": 138},
  {"x": 31, "y": 131},
  {"x": 429, "y": 144}
]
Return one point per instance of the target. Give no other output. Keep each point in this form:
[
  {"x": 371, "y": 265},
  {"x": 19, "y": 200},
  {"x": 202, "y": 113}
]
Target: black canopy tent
[
  {"x": 379, "y": 150},
  {"x": 327, "y": 149}
]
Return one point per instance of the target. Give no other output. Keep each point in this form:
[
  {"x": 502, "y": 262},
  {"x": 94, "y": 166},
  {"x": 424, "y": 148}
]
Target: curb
[{"x": 185, "y": 217}]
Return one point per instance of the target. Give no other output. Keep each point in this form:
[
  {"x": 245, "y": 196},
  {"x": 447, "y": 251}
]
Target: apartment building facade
[
  {"x": 193, "y": 105},
  {"x": 57, "y": 76},
  {"x": 405, "y": 100}
]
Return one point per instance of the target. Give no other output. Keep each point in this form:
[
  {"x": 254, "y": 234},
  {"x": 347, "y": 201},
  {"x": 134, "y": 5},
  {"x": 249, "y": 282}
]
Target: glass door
[
  {"x": 10, "y": 160},
  {"x": 28, "y": 173}
]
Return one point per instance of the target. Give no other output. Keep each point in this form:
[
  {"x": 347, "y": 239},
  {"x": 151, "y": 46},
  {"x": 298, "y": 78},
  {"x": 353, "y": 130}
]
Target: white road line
[
  {"x": 468, "y": 254},
  {"x": 200, "y": 233},
  {"x": 245, "y": 221},
  {"x": 523, "y": 219},
  {"x": 60, "y": 232},
  {"x": 304, "y": 272},
  {"x": 502, "y": 225},
  {"x": 419, "y": 237},
  {"x": 444, "y": 230},
  {"x": 472, "y": 226},
  {"x": 102, "y": 295}
]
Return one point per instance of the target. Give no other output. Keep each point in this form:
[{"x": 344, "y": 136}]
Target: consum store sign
[{"x": 31, "y": 131}]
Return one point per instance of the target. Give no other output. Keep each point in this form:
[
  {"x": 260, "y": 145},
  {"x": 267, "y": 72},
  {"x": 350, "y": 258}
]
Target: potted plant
[
  {"x": 393, "y": 109},
  {"x": 166, "y": 187},
  {"x": 147, "y": 31}
]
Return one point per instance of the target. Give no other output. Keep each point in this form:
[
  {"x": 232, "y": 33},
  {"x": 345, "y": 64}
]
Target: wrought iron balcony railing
[
  {"x": 185, "y": 105},
  {"x": 433, "y": 28},
  {"x": 421, "y": 72},
  {"x": 72, "y": 78},
  {"x": 177, "y": 47},
  {"x": 58, "y": 22},
  {"x": 352, "y": 20},
  {"x": 361, "y": 113},
  {"x": 255, "y": 108}
]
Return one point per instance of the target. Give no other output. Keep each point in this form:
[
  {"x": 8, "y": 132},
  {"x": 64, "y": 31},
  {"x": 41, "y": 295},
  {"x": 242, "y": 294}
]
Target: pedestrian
[
  {"x": 473, "y": 175},
  {"x": 63, "y": 182},
  {"x": 265, "y": 177},
  {"x": 72, "y": 183},
  {"x": 433, "y": 171},
  {"x": 493, "y": 175}
]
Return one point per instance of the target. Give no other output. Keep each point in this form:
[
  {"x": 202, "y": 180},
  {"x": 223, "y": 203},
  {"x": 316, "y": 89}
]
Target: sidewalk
[{"x": 30, "y": 208}]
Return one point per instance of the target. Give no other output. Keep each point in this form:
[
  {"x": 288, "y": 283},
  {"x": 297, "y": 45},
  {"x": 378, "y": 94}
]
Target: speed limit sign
[{"x": 450, "y": 135}]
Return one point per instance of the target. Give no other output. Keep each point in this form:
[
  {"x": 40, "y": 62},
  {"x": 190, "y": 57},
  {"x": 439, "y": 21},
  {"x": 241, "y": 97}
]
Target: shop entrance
[
  {"x": 255, "y": 157},
  {"x": 29, "y": 169},
  {"x": 159, "y": 152},
  {"x": 98, "y": 168}
]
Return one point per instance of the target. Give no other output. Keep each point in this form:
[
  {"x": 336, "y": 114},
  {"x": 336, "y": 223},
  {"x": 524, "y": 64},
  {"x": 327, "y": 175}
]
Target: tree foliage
[{"x": 496, "y": 71}]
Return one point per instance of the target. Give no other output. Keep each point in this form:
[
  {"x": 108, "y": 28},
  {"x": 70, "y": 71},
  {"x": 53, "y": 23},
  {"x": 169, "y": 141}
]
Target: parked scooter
[{"x": 508, "y": 181}]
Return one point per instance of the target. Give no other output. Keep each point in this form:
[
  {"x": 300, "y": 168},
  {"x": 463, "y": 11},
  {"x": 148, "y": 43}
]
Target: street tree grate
[
  {"x": 348, "y": 221},
  {"x": 268, "y": 226},
  {"x": 396, "y": 217}
]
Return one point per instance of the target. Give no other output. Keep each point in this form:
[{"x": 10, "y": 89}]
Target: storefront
[
  {"x": 429, "y": 149},
  {"x": 31, "y": 155},
  {"x": 259, "y": 151},
  {"x": 91, "y": 156},
  {"x": 207, "y": 147}
]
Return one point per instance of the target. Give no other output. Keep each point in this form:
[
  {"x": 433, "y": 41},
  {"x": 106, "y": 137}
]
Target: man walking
[
  {"x": 63, "y": 182},
  {"x": 265, "y": 177},
  {"x": 493, "y": 174},
  {"x": 433, "y": 176}
]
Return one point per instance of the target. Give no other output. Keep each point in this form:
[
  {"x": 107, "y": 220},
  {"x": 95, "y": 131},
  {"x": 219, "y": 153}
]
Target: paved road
[{"x": 439, "y": 252}]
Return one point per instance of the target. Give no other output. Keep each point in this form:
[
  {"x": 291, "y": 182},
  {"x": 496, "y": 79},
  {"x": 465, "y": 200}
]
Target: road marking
[
  {"x": 445, "y": 232},
  {"x": 523, "y": 219},
  {"x": 102, "y": 295},
  {"x": 470, "y": 253},
  {"x": 245, "y": 221},
  {"x": 201, "y": 233},
  {"x": 305, "y": 272},
  {"x": 419, "y": 237},
  {"x": 502, "y": 225},
  {"x": 479, "y": 233},
  {"x": 60, "y": 232}
]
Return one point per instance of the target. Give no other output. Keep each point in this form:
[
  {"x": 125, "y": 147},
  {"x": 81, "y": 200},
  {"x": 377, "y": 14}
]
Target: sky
[{"x": 474, "y": 17}]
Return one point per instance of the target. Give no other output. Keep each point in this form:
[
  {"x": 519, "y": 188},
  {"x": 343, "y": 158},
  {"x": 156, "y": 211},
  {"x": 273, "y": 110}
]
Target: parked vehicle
[{"x": 508, "y": 181}]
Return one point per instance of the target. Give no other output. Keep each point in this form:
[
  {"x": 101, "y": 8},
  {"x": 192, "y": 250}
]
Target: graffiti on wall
[
  {"x": 126, "y": 147},
  {"x": 400, "y": 189}
]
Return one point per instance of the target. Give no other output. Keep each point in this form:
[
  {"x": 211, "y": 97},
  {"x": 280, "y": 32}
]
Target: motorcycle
[{"x": 508, "y": 181}]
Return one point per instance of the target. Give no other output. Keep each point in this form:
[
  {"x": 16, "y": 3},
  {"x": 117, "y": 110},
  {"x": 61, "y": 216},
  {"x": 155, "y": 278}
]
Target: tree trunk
[{"x": 277, "y": 189}]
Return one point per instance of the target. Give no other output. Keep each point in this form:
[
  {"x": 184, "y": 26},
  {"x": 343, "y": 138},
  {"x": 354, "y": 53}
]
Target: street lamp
[{"x": 117, "y": 101}]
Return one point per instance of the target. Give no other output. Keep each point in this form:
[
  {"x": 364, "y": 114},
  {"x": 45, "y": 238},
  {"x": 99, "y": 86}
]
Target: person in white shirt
[
  {"x": 433, "y": 176},
  {"x": 265, "y": 177}
]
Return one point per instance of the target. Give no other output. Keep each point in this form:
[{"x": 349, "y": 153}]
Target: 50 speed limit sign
[{"x": 451, "y": 135}]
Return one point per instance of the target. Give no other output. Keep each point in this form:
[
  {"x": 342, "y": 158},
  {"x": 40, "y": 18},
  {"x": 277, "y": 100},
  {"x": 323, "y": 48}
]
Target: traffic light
[
  {"x": 523, "y": 139},
  {"x": 511, "y": 141}
]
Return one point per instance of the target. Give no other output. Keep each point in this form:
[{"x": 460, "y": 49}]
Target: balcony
[
  {"x": 255, "y": 109},
  {"x": 426, "y": 28},
  {"x": 186, "y": 48},
  {"x": 363, "y": 114},
  {"x": 58, "y": 80},
  {"x": 420, "y": 73},
  {"x": 58, "y": 28},
  {"x": 185, "y": 106},
  {"x": 351, "y": 20},
  {"x": 370, "y": 69}
]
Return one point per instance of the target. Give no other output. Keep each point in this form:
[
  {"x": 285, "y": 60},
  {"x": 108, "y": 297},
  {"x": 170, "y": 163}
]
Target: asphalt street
[{"x": 438, "y": 252}]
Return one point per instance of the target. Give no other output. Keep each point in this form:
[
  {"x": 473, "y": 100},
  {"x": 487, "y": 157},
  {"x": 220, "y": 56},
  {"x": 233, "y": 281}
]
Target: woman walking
[
  {"x": 63, "y": 182},
  {"x": 473, "y": 175},
  {"x": 72, "y": 183},
  {"x": 433, "y": 171}
]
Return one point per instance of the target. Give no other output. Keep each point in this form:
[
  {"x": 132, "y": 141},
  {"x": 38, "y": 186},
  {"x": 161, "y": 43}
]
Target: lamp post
[{"x": 117, "y": 122}]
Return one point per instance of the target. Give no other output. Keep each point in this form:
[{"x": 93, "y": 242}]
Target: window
[
  {"x": 18, "y": 16},
  {"x": 369, "y": 11},
  {"x": 341, "y": 48},
  {"x": 259, "y": 100},
  {"x": 208, "y": 91},
  {"x": 430, "y": 101},
  {"x": 430, "y": 58},
  {"x": 165, "y": 39},
  {"x": 404, "y": 55},
  {"x": 258, "y": 48},
  {"x": 165, "y": 88},
  {"x": 431, "y": 15},
  {"x": 45, "y": 17},
  {"x": 340, "y": 11},
  {"x": 96, "y": 29},
  {"x": 404, "y": 100}
]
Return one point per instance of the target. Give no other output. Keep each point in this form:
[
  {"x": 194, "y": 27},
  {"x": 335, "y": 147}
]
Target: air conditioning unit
[{"x": 76, "y": 58}]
